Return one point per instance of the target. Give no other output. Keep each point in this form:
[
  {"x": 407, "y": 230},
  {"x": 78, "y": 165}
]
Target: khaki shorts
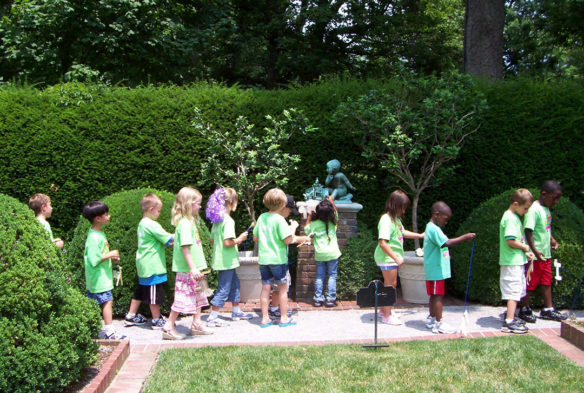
[{"x": 512, "y": 280}]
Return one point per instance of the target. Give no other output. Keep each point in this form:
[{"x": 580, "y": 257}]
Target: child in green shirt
[
  {"x": 225, "y": 257},
  {"x": 437, "y": 264},
  {"x": 322, "y": 224},
  {"x": 512, "y": 258},
  {"x": 538, "y": 233},
  {"x": 41, "y": 205},
  {"x": 272, "y": 234},
  {"x": 150, "y": 264},
  {"x": 188, "y": 261},
  {"x": 98, "y": 265}
]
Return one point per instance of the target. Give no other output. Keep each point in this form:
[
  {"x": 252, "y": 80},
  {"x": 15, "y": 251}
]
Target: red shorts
[
  {"x": 435, "y": 287},
  {"x": 541, "y": 274}
]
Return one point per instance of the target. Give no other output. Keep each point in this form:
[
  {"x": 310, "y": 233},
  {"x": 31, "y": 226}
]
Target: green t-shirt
[
  {"x": 393, "y": 233},
  {"x": 47, "y": 226},
  {"x": 539, "y": 219},
  {"x": 436, "y": 257},
  {"x": 186, "y": 234},
  {"x": 224, "y": 258},
  {"x": 271, "y": 229},
  {"x": 326, "y": 248},
  {"x": 150, "y": 256},
  {"x": 511, "y": 228},
  {"x": 98, "y": 273}
]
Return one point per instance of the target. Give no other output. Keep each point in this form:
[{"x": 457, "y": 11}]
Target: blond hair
[
  {"x": 275, "y": 199},
  {"x": 183, "y": 205},
  {"x": 149, "y": 200},
  {"x": 231, "y": 199},
  {"x": 37, "y": 201},
  {"x": 522, "y": 196}
]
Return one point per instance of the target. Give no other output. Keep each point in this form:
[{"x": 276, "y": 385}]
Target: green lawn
[{"x": 504, "y": 364}]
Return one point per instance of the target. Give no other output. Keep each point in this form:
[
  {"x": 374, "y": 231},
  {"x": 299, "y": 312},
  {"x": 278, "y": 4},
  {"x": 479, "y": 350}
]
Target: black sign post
[{"x": 376, "y": 295}]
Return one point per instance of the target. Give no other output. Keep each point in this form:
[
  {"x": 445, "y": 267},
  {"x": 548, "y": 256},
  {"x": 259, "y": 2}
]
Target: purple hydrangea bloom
[{"x": 215, "y": 210}]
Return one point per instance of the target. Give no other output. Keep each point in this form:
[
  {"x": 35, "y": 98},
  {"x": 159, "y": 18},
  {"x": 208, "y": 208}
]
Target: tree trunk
[
  {"x": 415, "y": 218},
  {"x": 484, "y": 21}
]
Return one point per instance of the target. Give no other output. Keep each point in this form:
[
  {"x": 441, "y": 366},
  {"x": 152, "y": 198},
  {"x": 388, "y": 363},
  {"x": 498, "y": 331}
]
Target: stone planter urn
[
  {"x": 413, "y": 279},
  {"x": 250, "y": 279}
]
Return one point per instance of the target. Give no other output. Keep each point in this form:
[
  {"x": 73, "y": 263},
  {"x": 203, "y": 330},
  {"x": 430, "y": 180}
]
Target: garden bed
[
  {"x": 97, "y": 377},
  {"x": 573, "y": 331}
]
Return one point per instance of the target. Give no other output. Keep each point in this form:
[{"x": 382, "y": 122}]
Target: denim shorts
[
  {"x": 101, "y": 297},
  {"x": 391, "y": 267},
  {"x": 274, "y": 274}
]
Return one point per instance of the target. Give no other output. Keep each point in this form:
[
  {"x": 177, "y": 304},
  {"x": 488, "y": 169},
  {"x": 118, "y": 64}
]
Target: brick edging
[{"x": 110, "y": 368}]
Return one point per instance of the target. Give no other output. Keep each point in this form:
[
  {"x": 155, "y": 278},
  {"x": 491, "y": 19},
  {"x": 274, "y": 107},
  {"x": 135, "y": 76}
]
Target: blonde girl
[
  {"x": 225, "y": 258},
  {"x": 188, "y": 261},
  {"x": 389, "y": 253}
]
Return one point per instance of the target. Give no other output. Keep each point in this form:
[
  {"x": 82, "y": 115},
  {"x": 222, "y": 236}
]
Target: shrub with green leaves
[
  {"x": 46, "y": 325},
  {"x": 356, "y": 266},
  {"x": 567, "y": 229},
  {"x": 121, "y": 233}
]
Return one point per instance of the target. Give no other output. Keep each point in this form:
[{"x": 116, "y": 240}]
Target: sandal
[
  {"x": 171, "y": 334},
  {"x": 198, "y": 330}
]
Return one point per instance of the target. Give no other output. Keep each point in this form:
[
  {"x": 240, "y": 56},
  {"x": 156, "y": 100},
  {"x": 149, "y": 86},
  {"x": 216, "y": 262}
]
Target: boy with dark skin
[{"x": 538, "y": 234}]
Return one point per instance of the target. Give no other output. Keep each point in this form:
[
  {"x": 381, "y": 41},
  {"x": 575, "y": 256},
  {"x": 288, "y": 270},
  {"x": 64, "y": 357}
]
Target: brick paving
[{"x": 345, "y": 324}]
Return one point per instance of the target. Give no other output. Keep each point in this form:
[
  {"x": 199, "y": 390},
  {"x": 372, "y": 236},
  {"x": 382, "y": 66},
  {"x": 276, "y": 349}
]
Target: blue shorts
[
  {"x": 391, "y": 267},
  {"x": 101, "y": 297},
  {"x": 274, "y": 274}
]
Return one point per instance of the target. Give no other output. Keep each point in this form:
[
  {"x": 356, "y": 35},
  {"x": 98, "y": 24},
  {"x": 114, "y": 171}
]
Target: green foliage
[
  {"x": 46, "y": 325},
  {"x": 356, "y": 266},
  {"x": 121, "y": 233},
  {"x": 247, "y": 160},
  {"x": 568, "y": 230},
  {"x": 416, "y": 131}
]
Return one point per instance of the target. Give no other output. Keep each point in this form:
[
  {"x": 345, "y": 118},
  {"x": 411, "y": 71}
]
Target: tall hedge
[
  {"x": 567, "y": 228},
  {"x": 121, "y": 233},
  {"x": 46, "y": 325},
  {"x": 77, "y": 143}
]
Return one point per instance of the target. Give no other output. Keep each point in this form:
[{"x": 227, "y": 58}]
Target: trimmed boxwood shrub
[
  {"x": 356, "y": 265},
  {"x": 121, "y": 233},
  {"x": 46, "y": 325},
  {"x": 568, "y": 229}
]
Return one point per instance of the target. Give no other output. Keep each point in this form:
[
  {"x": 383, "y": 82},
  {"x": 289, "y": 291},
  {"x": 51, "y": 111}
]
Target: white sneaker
[
  {"x": 443, "y": 327},
  {"x": 430, "y": 322},
  {"x": 392, "y": 320}
]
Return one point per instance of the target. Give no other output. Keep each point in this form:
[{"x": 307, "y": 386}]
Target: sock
[
  {"x": 236, "y": 310},
  {"x": 109, "y": 329},
  {"x": 129, "y": 315},
  {"x": 508, "y": 320},
  {"x": 214, "y": 314},
  {"x": 272, "y": 308},
  {"x": 548, "y": 309}
]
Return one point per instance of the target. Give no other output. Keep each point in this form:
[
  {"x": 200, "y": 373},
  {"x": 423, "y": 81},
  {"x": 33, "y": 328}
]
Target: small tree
[
  {"x": 417, "y": 129},
  {"x": 249, "y": 160}
]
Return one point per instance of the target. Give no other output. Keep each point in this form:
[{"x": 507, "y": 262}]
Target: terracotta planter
[
  {"x": 413, "y": 279},
  {"x": 573, "y": 332}
]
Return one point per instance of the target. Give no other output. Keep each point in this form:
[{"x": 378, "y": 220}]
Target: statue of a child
[{"x": 337, "y": 183}]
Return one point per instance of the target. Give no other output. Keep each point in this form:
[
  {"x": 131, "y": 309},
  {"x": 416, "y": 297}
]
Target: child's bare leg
[
  {"x": 134, "y": 305},
  {"x": 171, "y": 320},
  {"x": 546, "y": 293},
  {"x": 389, "y": 279},
  {"x": 283, "y": 292},
  {"x": 197, "y": 317},
  {"x": 437, "y": 301},
  {"x": 275, "y": 299},
  {"x": 511, "y": 307},
  {"x": 264, "y": 301},
  {"x": 525, "y": 300},
  {"x": 154, "y": 310},
  {"x": 106, "y": 312}
]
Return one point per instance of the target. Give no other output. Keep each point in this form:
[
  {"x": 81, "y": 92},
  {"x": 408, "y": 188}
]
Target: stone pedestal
[
  {"x": 250, "y": 280},
  {"x": 306, "y": 270},
  {"x": 413, "y": 279}
]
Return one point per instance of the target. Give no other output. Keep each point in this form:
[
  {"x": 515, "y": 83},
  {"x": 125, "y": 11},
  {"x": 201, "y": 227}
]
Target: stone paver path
[{"x": 320, "y": 327}]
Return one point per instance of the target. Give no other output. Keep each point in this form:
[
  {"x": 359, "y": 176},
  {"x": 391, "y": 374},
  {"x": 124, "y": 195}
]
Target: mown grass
[{"x": 504, "y": 364}]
